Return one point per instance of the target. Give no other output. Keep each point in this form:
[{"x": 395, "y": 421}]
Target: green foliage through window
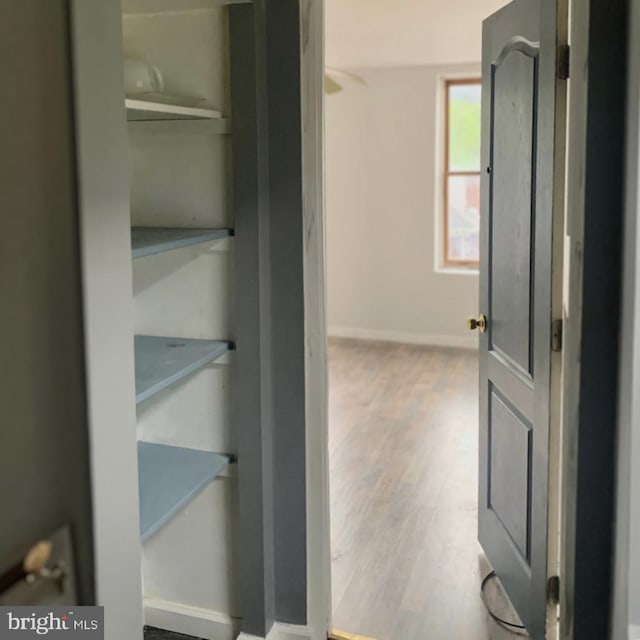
[{"x": 464, "y": 127}]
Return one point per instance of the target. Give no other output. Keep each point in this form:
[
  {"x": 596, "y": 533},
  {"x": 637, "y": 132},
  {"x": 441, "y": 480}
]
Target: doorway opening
[{"x": 403, "y": 171}]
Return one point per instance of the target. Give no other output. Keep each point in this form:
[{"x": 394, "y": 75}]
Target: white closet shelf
[
  {"x": 170, "y": 477},
  {"x": 212, "y": 126},
  {"x": 134, "y": 7},
  {"x": 149, "y": 241},
  {"x": 161, "y": 361},
  {"x": 143, "y": 110}
]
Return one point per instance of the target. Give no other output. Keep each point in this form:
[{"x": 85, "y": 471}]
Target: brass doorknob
[
  {"x": 477, "y": 323},
  {"x": 38, "y": 557}
]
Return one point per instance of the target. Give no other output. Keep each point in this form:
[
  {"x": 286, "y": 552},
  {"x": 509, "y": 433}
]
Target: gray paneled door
[{"x": 518, "y": 112}]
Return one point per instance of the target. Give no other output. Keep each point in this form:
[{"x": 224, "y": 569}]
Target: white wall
[
  {"x": 379, "y": 33},
  {"x": 382, "y": 191}
]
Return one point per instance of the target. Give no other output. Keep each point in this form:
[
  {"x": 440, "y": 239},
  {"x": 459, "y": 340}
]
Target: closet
[
  {"x": 188, "y": 137},
  {"x": 156, "y": 370},
  {"x": 177, "y": 82}
]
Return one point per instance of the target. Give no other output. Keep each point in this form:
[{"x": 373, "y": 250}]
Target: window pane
[
  {"x": 464, "y": 127},
  {"x": 463, "y": 202}
]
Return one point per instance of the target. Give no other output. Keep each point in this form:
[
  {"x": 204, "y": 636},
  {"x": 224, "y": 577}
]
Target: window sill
[{"x": 457, "y": 271}]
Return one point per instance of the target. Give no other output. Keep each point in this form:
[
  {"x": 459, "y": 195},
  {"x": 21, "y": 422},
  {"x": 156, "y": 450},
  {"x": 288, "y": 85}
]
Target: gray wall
[
  {"x": 252, "y": 414},
  {"x": 44, "y": 474}
]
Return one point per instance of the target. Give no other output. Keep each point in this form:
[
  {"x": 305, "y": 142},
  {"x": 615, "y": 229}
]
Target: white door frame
[
  {"x": 103, "y": 203},
  {"x": 572, "y": 304},
  {"x": 316, "y": 383},
  {"x": 558, "y": 286}
]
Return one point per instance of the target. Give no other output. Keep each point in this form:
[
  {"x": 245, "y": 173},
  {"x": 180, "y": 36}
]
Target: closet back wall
[
  {"x": 382, "y": 199},
  {"x": 181, "y": 179}
]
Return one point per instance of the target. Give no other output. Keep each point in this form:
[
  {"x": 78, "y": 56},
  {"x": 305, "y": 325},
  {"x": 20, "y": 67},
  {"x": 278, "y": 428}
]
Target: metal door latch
[
  {"x": 563, "y": 62},
  {"x": 556, "y": 335},
  {"x": 553, "y": 590}
]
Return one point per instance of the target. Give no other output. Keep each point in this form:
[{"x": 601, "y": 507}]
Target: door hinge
[
  {"x": 553, "y": 590},
  {"x": 556, "y": 335},
  {"x": 564, "y": 55}
]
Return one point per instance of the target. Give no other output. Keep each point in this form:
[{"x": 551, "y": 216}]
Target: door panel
[
  {"x": 509, "y": 455},
  {"x": 518, "y": 104},
  {"x": 512, "y": 125}
]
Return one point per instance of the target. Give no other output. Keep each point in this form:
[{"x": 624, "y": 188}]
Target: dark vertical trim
[
  {"x": 269, "y": 386},
  {"x": 599, "y": 357},
  {"x": 252, "y": 414},
  {"x": 287, "y": 298}
]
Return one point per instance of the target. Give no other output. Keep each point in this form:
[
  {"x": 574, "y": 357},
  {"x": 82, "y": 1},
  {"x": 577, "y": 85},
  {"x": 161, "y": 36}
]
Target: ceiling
[{"x": 389, "y": 33}]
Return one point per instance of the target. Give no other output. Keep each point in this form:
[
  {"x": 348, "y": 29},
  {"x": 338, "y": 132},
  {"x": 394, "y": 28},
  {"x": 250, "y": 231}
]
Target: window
[{"x": 462, "y": 173}]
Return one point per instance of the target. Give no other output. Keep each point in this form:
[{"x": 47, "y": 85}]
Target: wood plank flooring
[{"x": 403, "y": 451}]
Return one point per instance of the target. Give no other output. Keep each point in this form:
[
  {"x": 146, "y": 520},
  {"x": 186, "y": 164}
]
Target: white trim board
[
  {"x": 465, "y": 342},
  {"x": 316, "y": 376},
  {"x": 282, "y": 631},
  {"x": 191, "y": 621}
]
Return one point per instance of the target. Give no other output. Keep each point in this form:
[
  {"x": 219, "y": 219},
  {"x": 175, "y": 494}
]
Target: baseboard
[
  {"x": 282, "y": 631},
  {"x": 191, "y": 621},
  {"x": 465, "y": 342}
]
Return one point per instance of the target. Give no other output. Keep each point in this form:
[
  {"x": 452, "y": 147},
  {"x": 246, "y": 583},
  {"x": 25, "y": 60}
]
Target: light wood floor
[{"x": 403, "y": 453}]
